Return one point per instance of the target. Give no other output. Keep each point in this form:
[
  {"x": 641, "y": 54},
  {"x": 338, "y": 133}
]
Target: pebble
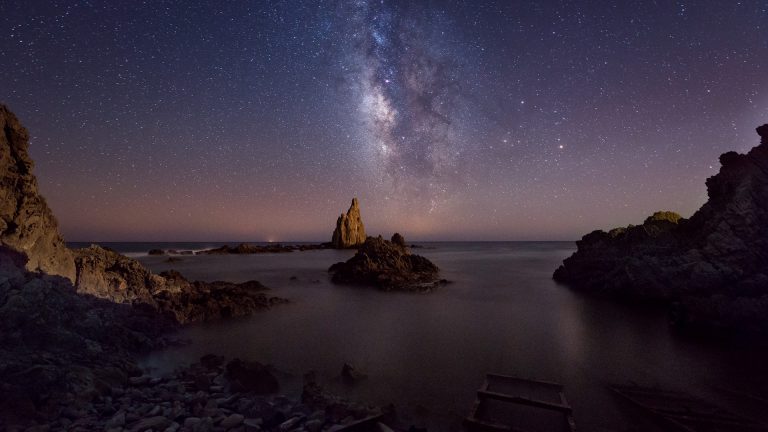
[
  {"x": 138, "y": 381},
  {"x": 290, "y": 423},
  {"x": 190, "y": 422},
  {"x": 314, "y": 425},
  {"x": 156, "y": 423},
  {"x": 232, "y": 421},
  {"x": 252, "y": 425},
  {"x": 155, "y": 411},
  {"x": 118, "y": 420},
  {"x": 170, "y": 405}
]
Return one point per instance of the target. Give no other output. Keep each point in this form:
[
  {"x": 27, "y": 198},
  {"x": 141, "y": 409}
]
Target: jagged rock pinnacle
[{"x": 350, "y": 231}]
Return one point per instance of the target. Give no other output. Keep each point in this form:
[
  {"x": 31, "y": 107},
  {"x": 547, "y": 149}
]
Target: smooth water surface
[{"x": 428, "y": 354}]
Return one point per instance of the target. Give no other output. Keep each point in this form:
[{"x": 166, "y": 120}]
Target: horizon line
[{"x": 307, "y": 241}]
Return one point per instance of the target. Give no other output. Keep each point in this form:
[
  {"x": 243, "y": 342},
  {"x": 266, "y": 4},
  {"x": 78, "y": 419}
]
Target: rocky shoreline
[
  {"x": 710, "y": 269},
  {"x": 74, "y": 322},
  {"x": 209, "y": 395}
]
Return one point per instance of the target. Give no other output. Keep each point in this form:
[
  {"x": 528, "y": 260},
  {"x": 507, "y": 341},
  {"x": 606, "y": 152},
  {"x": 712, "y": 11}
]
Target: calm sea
[{"x": 428, "y": 354}]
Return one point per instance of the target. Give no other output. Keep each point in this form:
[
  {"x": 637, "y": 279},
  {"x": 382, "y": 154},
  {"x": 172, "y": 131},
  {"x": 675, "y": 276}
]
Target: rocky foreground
[
  {"x": 211, "y": 395},
  {"x": 387, "y": 265},
  {"x": 712, "y": 269}
]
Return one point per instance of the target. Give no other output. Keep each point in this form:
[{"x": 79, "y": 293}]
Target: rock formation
[
  {"x": 72, "y": 321},
  {"x": 107, "y": 274},
  {"x": 350, "y": 231},
  {"x": 28, "y": 227},
  {"x": 387, "y": 265},
  {"x": 246, "y": 248},
  {"x": 712, "y": 267},
  {"x": 27, "y": 224}
]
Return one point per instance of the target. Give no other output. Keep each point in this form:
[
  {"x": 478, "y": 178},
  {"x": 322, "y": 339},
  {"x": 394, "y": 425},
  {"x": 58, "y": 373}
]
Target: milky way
[
  {"x": 407, "y": 85},
  {"x": 449, "y": 120}
]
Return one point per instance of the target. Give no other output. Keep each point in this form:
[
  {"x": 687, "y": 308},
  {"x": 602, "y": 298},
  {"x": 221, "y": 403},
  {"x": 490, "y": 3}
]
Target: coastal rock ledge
[
  {"x": 711, "y": 269},
  {"x": 350, "y": 231},
  {"x": 387, "y": 265}
]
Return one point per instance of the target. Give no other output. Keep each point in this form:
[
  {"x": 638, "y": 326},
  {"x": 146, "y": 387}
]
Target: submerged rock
[
  {"x": 350, "y": 375},
  {"x": 350, "y": 231},
  {"x": 711, "y": 266},
  {"x": 387, "y": 265},
  {"x": 246, "y": 376}
]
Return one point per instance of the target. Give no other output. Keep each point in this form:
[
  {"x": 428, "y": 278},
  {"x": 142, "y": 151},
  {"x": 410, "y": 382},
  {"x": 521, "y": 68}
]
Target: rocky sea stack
[
  {"x": 712, "y": 268},
  {"x": 350, "y": 231},
  {"x": 387, "y": 265}
]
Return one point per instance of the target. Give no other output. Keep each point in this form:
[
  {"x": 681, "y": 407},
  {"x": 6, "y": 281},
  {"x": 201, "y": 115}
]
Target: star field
[{"x": 189, "y": 120}]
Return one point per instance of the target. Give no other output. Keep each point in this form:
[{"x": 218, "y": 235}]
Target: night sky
[{"x": 452, "y": 120}]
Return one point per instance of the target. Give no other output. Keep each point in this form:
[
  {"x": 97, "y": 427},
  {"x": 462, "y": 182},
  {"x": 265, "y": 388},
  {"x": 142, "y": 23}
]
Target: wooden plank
[
  {"x": 477, "y": 424},
  {"x": 524, "y": 401},
  {"x": 361, "y": 424},
  {"x": 514, "y": 378},
  {"x": 519, "y": 392}
]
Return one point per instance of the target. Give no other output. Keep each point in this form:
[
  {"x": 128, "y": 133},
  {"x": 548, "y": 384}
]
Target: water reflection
[{"x": 502, "y": 313}]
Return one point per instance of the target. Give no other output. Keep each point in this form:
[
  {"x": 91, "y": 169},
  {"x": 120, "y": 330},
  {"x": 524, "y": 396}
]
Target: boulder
[
  {"x": 231, "y": 421},
  {"x": 350, "y": 231},
  {"x": 387, "y": 265},
  {"x": 711, "y": 266}
]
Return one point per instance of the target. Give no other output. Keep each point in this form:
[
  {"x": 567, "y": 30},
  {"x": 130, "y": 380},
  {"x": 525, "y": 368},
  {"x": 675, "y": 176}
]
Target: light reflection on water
[{"x": 502, "y": 313}]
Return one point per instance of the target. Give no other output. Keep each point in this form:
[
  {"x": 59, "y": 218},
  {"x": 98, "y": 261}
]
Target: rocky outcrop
[
  {"x": 712, "y": 267},
  {"x": 107, "y": 274},
  {"x": 27, "y": 225},
  {"x": 350, "y": 231},
  {"x": 210, "y": 301},
  {"x": 387, "y": 265},
  {"x": 247, "y": 248}
]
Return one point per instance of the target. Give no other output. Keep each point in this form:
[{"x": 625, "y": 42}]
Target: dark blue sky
[{"x": 186, "y": 120}]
